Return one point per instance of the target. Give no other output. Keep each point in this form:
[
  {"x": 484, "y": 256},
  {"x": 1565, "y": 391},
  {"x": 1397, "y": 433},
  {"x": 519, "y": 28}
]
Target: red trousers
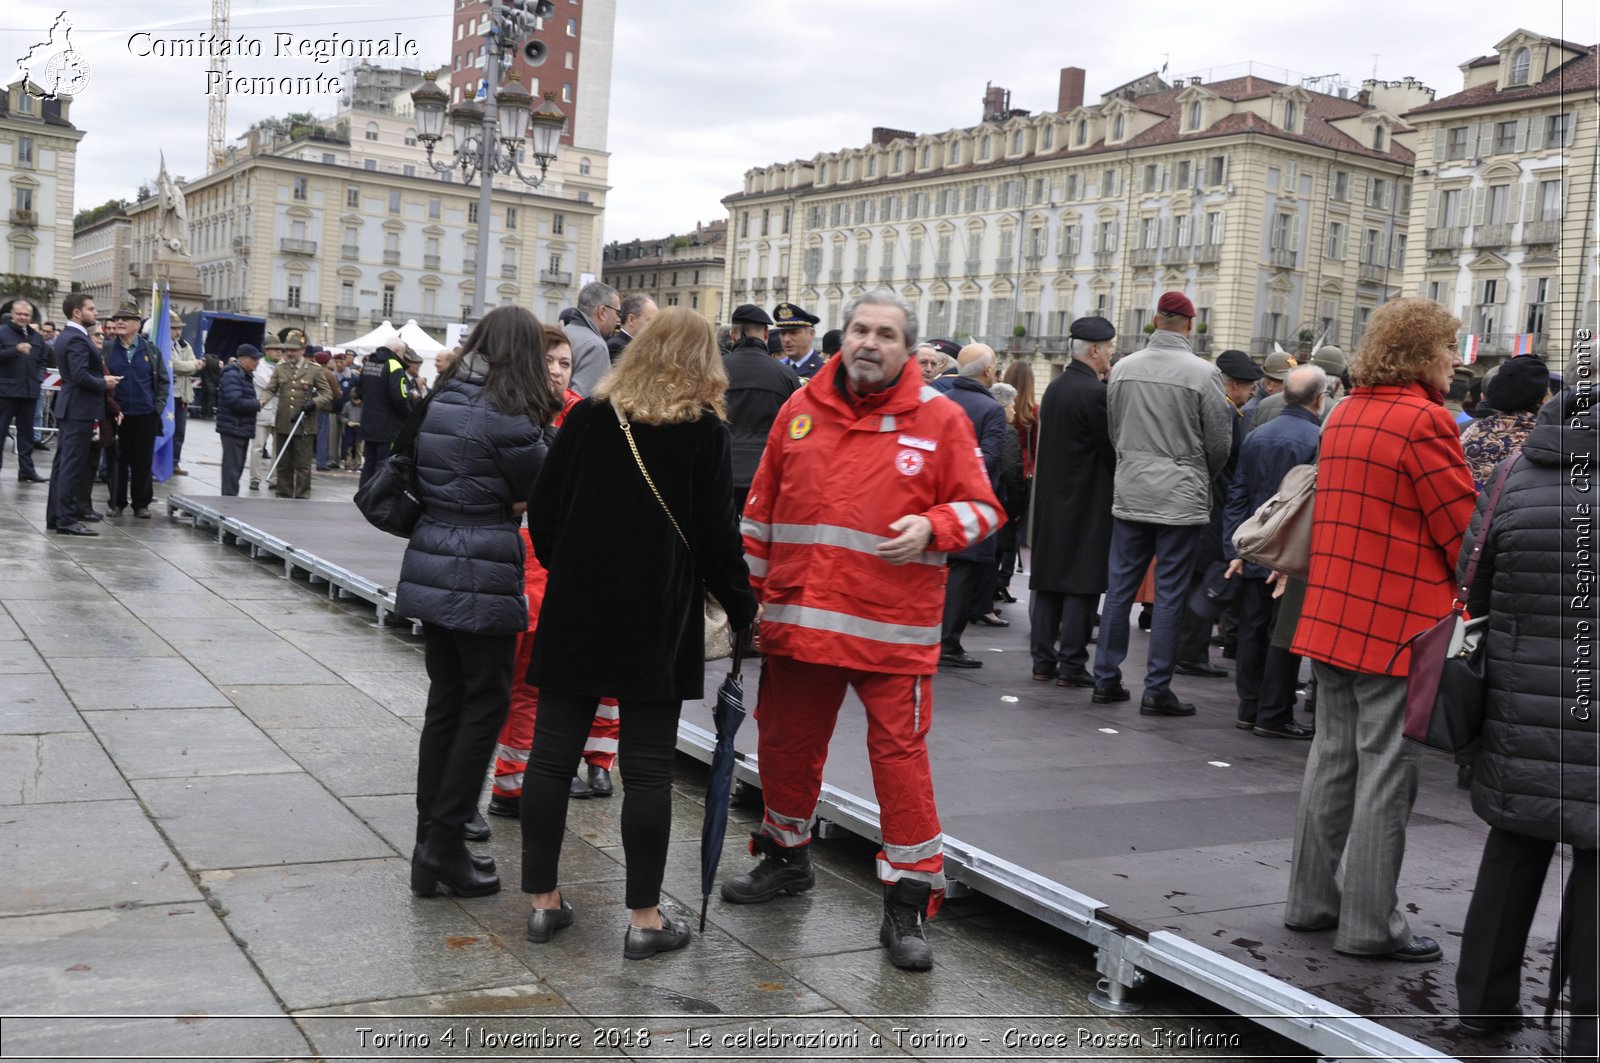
[
  {"x": 797, "y": 709},
  {"x": 516, "y": 735}
]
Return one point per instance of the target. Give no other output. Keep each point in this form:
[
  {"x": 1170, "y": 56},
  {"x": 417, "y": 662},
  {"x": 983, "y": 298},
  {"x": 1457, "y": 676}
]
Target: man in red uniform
[{"x": 868, "y": 479}]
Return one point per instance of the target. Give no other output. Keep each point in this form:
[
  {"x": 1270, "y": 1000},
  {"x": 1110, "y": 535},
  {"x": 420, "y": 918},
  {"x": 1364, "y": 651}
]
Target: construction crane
[{"x": 217, "y": 108}]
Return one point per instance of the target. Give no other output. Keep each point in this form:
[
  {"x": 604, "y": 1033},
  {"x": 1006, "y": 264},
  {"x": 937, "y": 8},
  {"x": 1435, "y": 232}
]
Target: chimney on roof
[
  {"x": 1071, "y": 96},
  {"x": 1194, "y": 80},
  {"x": 996, "y": 103}
]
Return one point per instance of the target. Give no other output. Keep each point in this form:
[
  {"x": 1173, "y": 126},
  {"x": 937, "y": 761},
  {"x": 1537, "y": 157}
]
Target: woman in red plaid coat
[{"x": 1394, "y": 496}]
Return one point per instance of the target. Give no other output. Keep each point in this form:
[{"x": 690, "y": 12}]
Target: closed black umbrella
[{"x": 729, "y": 714}]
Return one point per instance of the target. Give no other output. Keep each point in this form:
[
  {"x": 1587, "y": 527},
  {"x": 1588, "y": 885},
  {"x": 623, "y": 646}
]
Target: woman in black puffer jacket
[
  {"x": 479, "y": 450},
  {"x": 1535, "y": 778}
]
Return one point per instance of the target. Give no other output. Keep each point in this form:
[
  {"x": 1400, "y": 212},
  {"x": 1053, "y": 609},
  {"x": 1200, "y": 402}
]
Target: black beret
[
  {"x": 945, "y": 347},
  {"x": 1519, "y": 384},
  {"x": 1236, "y": 365},
  {"x": 1092, "y": 329},
  {"x": 792, "y": 315},
  {"x": 832, "y": 340},
  {"x": 750, "y": 314}
]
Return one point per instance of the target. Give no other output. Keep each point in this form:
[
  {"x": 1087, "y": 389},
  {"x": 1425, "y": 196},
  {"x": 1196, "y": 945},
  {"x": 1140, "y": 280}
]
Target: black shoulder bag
[{"x": 392, "y": 500}]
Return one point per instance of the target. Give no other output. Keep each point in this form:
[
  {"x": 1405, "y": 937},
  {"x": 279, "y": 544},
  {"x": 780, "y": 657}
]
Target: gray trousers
[
  {"x": 235, "y": 453},
  {"x": 1360, "y": 784}
]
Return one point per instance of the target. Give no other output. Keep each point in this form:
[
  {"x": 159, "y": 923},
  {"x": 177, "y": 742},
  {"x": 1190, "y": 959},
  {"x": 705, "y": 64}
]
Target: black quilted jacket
[{"x": 1536, "y": 767}]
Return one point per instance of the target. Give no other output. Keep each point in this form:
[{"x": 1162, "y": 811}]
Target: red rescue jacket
[{"x": 836, "y": 473}]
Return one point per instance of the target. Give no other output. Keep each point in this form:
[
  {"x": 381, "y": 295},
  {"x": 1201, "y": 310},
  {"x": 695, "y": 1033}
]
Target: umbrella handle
[
  {"x": 704, "y": 900},
  {"x": 738, "y": 650}
]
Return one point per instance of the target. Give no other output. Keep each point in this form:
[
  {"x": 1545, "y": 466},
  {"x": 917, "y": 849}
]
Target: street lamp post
[{"x": 489, "y": 141}]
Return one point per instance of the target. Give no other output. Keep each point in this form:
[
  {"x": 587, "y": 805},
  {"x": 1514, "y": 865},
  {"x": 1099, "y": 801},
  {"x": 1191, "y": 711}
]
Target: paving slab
[
  {"x": 264, "y": 583},
  {"x": 9, "y": 631},
  {"x": 58, "y": 857},
  {"x": 138, "y": 683},
  {"x": 274, "y": 706},
  {"x": 345, "y": 932},
  {"x": 372, "y": 760},
  {"x": 34, "y": 703},
  {"x": 53, "y": 590},
  {"x": 522, "y": 1020},
  {"x": 402, "y": 693},
  {"x": 260, "y": 661},
  {"x": 99, "y": 639},
  {"x": 255, "y": 820},
  {"x": 182, "y": 743},
  {"x": 48, "y": 768},
  {"x": 19, "y": 658},
  {"x": 103, "y": 609},
  {"x": 172, "y": 960}
]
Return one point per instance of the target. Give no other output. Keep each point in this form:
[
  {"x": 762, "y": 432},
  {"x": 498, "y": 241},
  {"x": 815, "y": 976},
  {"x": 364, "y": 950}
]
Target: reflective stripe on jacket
[{"x": 835, "y": 475}]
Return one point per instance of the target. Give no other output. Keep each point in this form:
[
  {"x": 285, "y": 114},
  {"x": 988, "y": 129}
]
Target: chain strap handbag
[{"x": 719, "y": 635}]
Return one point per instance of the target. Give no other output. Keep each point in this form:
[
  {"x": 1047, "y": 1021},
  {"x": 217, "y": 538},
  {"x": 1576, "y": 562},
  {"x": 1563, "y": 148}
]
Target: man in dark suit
[
  {"x": 964, "y": 593},
  {"x": 1072, "y": 483},
  {"x": 22, "y": 351},
  {"x": 80, "y": 403},
  {"x": 637, "y": 310},
  {"x": 758, "y": 386}
]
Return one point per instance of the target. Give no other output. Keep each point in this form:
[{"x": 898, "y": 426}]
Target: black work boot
[
  {"x": 905, "y": 906},
  {"x": 781, "y": 871},
  {"x": 442, "y": 859}
]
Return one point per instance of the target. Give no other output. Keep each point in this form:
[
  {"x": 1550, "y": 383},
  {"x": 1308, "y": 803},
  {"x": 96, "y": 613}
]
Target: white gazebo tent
[
  {"x": 424, "y": 345},
  {"x": 378, "y": 337}
]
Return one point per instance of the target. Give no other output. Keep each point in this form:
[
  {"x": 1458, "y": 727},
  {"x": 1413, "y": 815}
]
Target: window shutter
[
  {"x": 1433, "y": 209},
  {"x": 1294, "y": 232},
  {"x": 1478, "y": 204},
  {"x": 1485, "y": 140},
  {"x": 1521, "y": 136},
  {"x": 1438, "y": 145},
  {"x": 1572, "y": 128},
  {"x": 1530, "y": 201},
  {"x": 1536, "y": 133}
]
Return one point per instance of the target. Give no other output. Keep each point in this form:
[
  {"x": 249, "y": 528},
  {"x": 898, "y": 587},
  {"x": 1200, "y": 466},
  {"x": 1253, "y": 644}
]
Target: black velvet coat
[
  {"x": 1072, "y": 481},
  {"x": 623, "y": 612}
]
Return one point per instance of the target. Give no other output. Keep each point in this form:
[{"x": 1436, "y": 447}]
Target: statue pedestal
[{"x": 178, "y": 273}]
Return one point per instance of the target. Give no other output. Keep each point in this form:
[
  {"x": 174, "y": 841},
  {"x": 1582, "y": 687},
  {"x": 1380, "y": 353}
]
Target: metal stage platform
[{"x": 1163, "y": 842}]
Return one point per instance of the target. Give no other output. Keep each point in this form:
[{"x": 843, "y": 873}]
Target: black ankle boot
[
  {"x": 442, "y": 859},
  {"x": 905, "y": 906},
  {"x": 781, "y": 871},
  {"x": 483, "y": 862}
]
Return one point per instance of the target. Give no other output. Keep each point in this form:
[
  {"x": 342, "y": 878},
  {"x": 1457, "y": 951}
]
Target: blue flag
[{"x": 161, "y": 340}]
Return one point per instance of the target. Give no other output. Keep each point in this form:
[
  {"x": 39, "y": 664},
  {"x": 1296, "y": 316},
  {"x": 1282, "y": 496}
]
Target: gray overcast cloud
[{"x": 705, "y": 89}]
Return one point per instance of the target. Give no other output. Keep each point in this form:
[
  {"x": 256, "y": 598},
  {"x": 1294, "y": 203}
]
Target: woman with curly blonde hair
[
  {"x": 633, "y": 517},
  {"x": 1393, "y": 500}
]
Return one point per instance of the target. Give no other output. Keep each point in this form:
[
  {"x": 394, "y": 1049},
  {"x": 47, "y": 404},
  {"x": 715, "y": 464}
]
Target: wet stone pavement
[{"x": 205, "y": 817}]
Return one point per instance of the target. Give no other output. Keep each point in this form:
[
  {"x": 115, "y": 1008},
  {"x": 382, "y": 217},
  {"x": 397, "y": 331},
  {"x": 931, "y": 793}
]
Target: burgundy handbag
[{"x": 1447, "y": 687}]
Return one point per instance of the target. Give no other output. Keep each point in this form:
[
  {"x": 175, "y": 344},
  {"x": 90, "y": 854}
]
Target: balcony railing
[
  {"x": 433, "y": 321},
  {"x": 24, "y": 219},
  {"x": 1065, "y": 263},
  {"x": 1205, "y": 253},
  {"x": 1173, "y": 256},
  {"x": 836, "y": 276},
  {"x": 1284, "y": 258},
  {"x": 1445, "y": 239},
  {"x": 226, "y": 306},
  {"x": 1372, "y": 272},
  {"x": 508, "y": 271},
  {"x": 1143, "y": 256},
  {"x": 941, "y": 270},
  {"x": 297, "y": 247},
  {"x": 1033, "y": 263},
  {"x": 282, "y": 308},
  {"x": 562, "y": 279},
  {"x": 1491, "y": 235},
  {"x": 378, "y": 317},
  {"x": 860, "y": 274},
  {"x": 350, "y": 251},
  {"x": 759, "y": 287},
  {"x": 813, "y": 276},
  {"x": 1262, "y": 345},
  {"x": 1201, "y": 343},
  {"x": 346, "y": 315},
  {"x": 914, "y": 271},
  {"x": 430, "y": 261},
  {"x": 1542, "y": 232},
  {"x": 1105, "y": 259},
  {"x": 241, "y": 244},
  {"x": 1508, "y": 343},
  {"x": 974, "y": 267},
  {"x": 391, "y": 258}
]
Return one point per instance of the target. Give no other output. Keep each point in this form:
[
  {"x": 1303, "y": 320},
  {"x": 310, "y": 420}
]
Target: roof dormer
[
  {"x": 1048, "y": 134},
  {"x": 1525, "y": 59},
  {"x": 1018, "y": 137},
  {"x": 1373, "y": 130},
  {"x": 957, "y": 148},
  {"x": 1289, "y": 109},
  {"x": 1197, "y": 109},
  {"x": 1082, "y": 128},
  {"x": 1125, "y": 119}
]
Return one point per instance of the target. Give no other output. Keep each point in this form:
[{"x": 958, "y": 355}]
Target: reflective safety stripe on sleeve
[
  {"x": 845, "y": 624},
  {"x": 753, "y": 529},
  {"x": 787, "y": 831},
  {"x": 756, "y": 565},
  {"x": 968, "y": 516}
]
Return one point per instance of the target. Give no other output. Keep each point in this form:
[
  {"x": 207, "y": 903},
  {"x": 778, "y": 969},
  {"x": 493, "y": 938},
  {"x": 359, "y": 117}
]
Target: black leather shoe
[
  {"x": 579, "y": 788},
  {"x": 1245, "y": 725},
  {"x": 1164, "y": 705},
  {"x": 92, "y": 518},
  {"x": 477, "y": 828},
  {"x": 640, "y": 943},
  {"x": 780, "y": 871},
  {"x": 1110, "y": 692},
  {"x": 905, "y": 905},
  {"x": 1203, "y": 669},
  {"x": 959, "y": 659},
  {"x": 1299, "y": 928},
  {"x": 1147, "y": 618},
  {"x": 509, "y": 807},
  {"x": 1418, "y": 950},
  {"x": 1489, "y": 1025},
  {"x": 75, "y": 529},
  {"x": 1292, "y": 729},
  {"x": 600, "y": 781},
  {"x": 484, "y": 863},
  {"x": 1006, "y": 596},
  {"x": 32, "y": 478},
  {"x": 1080, "y": 678},
  {"x": 1043, "y": 677},
  {"x": 991, "y": 620},
  {"x": 544, "y": 922}
]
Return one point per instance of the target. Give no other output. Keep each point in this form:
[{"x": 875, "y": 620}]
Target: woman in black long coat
[
  {"x": 1535, "y": 780},
  {"x": 623, "y": 613},
  {"x": 479, "y": 449}
]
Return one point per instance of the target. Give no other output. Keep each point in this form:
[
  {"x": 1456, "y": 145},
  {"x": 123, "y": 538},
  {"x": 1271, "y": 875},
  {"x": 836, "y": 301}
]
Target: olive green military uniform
[{"x": 294, "y": 382}]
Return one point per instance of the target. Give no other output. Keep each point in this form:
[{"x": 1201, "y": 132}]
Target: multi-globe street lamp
[{"x": 493, "y": 139}]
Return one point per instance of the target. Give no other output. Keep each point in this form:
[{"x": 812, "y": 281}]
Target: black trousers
[
  {"x": 75, "y": 456},
  {"x": 469, "y": 693},
  {"x": 1494, "y": 938},
  {"x": 646, "y": 746},
  {"x": 377, "y": 454},
  {"x": 1059, "y": 630},
  {"x": 20, "y": 413},
  {"x": 1194, "y": 630},
  {"x": 961, "y": 592},
  {"x": 180, "y": 421},
  {"x": 136, "y": 448},
  {"x": 1266, "y": 675},
  {"x": 235, "y": 452}
]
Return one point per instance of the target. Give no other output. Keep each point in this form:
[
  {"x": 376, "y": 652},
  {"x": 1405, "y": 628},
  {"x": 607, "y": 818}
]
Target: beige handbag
[
  {"x": 1278, "y": 535},
  {"x": 719, "y": 635}
]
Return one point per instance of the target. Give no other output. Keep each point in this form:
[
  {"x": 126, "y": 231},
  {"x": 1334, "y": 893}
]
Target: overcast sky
[{"x": 704, "y": 89}]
